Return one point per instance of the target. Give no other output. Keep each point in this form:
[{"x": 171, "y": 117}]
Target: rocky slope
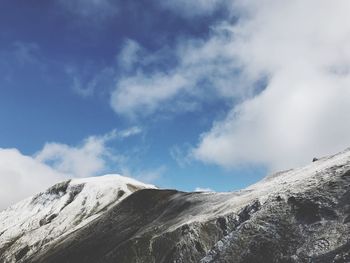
[{"x": 301, "y": 215}]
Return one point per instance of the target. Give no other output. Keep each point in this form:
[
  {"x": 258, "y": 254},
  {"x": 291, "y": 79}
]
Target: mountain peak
[{"x": 61, "y": 209}]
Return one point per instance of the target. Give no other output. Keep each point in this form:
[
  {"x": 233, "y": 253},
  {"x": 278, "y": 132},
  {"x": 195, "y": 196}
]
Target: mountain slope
[
  {"x": 36, "y": 222},
  {"x": 301, "y": 215}
]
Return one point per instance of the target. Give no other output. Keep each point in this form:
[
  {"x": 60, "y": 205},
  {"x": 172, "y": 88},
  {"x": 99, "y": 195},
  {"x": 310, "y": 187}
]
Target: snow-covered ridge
[
  {"x": 299, "y": 179},
  {"x": 283, "y": 184},
  {"x": 61, "y": 209},
  {"x": 303, "y": 212},
  {"x": 39, "y": 221}
]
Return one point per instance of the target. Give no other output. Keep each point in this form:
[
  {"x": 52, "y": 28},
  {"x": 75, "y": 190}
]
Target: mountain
[
  {"x": 39, "y": 221},
  {"x": 299, "y": 215}
]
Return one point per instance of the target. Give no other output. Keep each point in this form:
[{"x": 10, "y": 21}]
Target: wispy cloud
[
  {"x": 148, "y": 175},
  {"x": 130, "y": 132},
  {"x": 85, "y": 84},
  {"x": 190, "y": 9},
  {"x": 26, "y": 53},
  {"x": 78, "y": 87},
  {"x": 91, "y": 10},
  {"x": 21, "y": 56},
  {"x": 181, "y": 154},
  {"x": 143, "y": 95},
  {"x": 129, "y": 55},
  {"x": 204, "y": 70}
]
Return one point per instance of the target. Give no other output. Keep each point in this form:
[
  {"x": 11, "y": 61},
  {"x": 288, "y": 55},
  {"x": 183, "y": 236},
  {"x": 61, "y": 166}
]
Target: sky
[{"x": 185, "y": 94}]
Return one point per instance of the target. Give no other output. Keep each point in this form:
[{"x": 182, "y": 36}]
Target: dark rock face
[
  {"x": 295, "y": 216},
  {"x": 56, "y": 191}
]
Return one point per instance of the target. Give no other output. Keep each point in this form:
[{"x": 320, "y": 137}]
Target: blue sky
[
  {"x": 183, "y": 94},
  {"x": 40, "y": 40}
]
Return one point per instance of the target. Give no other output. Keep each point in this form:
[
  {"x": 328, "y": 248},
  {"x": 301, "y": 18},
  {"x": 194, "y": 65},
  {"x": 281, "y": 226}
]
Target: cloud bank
[
  {"x": 302, "y": 49},
  {"x": 22, "y": 175},
  {"x": 284, "y": 67}
]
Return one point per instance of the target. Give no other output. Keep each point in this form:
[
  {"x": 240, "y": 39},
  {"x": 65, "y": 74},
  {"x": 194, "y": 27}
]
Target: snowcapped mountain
[
  {"x": 38, "y": 221},
  {"x": 299, "y": 215}
]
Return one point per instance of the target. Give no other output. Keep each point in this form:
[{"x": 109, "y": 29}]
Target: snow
[
  {"x": 66, "y": 207},
  {"x": 48, "y": 216},
  {"x": 299, "y": 179},
  {"x": 214, "y": 205},
  {"x": 286, "y": 184}
]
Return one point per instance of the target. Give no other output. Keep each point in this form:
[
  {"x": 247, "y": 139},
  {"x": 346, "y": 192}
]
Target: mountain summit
[
  {"x": 299, "y": 215},
  {"x": 39, "y": 221}
]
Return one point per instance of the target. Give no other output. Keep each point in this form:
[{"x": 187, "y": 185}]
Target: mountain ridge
[{"x": 298, "y": 215}]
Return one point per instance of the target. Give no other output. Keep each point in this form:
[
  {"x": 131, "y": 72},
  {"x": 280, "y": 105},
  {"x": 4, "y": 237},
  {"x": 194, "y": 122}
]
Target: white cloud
[
  {"x": 22, "y": 176},
  {"x": 91, "y": 158},
  {"x": 204, "y": 70},
  {"x": 143, "y": 95},
  {"x": 130, "y": 132},
  {"x": 297, "y": 50},
  {"x": 85, "y": 160},
  {"x": 303, "y": 49}
]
